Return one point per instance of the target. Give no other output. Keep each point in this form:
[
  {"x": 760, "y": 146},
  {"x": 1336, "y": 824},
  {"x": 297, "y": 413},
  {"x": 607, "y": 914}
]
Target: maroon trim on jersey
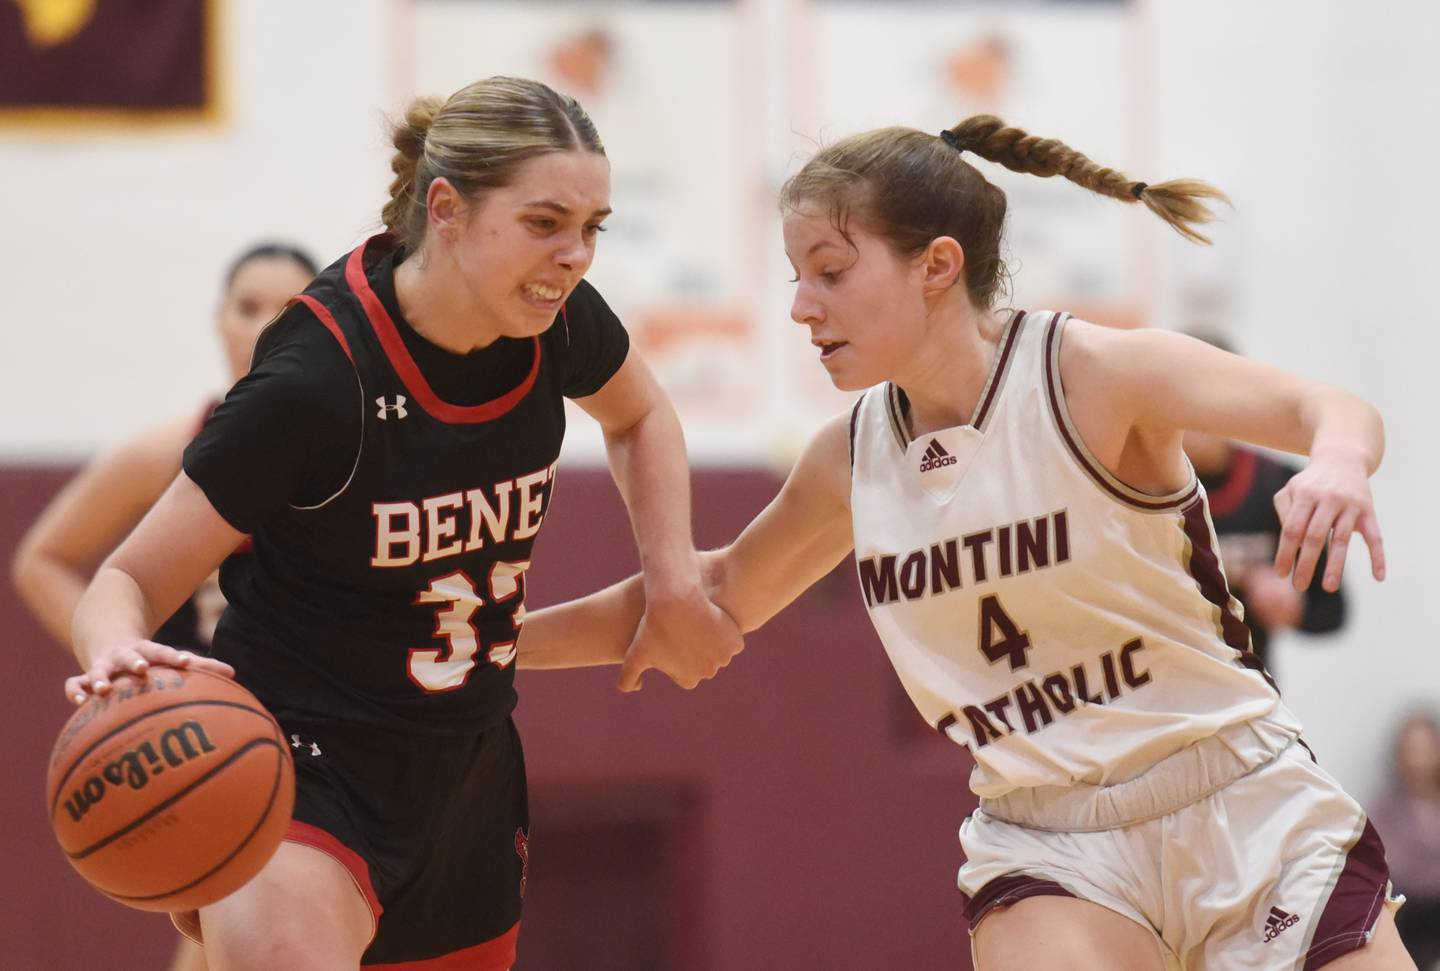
[
  {"x": 409, "y": 372},
  {"x": 354, "y": 864},
  {"x": 854, "y": 421},
  {"x": 328, "y": 319},
  {"x": 895, "y": 410},
  {"x": 997, "y": 377},
  {"x": 1055, "y": 393},
  {"x": 1205, "y": 567},
  {"x": 1239, "y": 479},
  {"x": 1354, "y": 905},
  {"x": 496, "y": 954},
  {"x": 1007, "y": 890},
  {"x": 1082, "y": 455}
]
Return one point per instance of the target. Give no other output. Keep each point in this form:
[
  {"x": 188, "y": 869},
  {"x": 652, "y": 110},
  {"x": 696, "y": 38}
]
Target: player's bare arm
[
  {"x": 1147, "y": 386},
  {"x": 179, "y": 543},
  {"x": 89, "y": 516},
  {"x": 586, "y": 632},
  {"x": 797, "y": 539},
  {"x": 682, "y": 633},
  {"x": 793, "y": 542}
]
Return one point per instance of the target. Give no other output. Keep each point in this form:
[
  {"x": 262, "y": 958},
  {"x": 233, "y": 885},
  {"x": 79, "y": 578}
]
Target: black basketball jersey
[{"x": 399, "y": 599}]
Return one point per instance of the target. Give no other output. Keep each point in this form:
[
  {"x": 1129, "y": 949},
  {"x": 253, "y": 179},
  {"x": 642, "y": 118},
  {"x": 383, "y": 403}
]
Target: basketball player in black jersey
[
  {"x": 392, "y": 453},
  {"x": 105, "y": 500}
]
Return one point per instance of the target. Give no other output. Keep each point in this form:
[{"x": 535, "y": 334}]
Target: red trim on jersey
[
  {"x": 496, "y": 954},
  {"x": 328, "y": 319},
  {"x": 1239, "y": 479},
  {"x": 409, "y": 372},
  {"x": 313, "y": 836}
]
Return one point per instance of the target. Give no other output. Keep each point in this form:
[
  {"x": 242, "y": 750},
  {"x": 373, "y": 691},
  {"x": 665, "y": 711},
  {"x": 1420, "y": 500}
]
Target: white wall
[
  {"x": 1318, "y": 116},
  {"x": 115, "y": 243},
  {"x": 1322, "y": 120}
]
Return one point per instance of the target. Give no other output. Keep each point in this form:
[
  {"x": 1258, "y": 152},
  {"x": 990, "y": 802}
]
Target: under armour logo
[
  {"x": 296, "y": 743},
  {"x": 398, "y": 407},
  {"x": 1277, "y": 922},
  {"x": 935, "y": 457}
]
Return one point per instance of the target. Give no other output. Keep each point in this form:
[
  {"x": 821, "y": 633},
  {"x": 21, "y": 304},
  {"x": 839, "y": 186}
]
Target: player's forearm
[
  {"x": 112, "y": 612},
  {"x": 649, "y": 466},
  {"x": 50, "y": 588},
  {"x": 588, "y": 632}
]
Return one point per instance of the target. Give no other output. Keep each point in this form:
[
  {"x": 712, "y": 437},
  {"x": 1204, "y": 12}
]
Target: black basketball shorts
[{"x": 433, "y": 829}]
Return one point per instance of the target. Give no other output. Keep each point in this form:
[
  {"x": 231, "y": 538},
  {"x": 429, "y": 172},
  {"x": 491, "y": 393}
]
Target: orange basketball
[{"x": 171, "y": 792}]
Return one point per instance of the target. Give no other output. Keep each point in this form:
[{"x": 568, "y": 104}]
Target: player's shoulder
[
  {"x": 299, "y": 333},
  {"x": 586, "y": 306}
]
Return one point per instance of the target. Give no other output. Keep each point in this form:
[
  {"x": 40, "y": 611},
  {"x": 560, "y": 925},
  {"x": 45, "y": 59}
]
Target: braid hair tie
[
  {"x": 950, "y": 138},
  {"x": 1138, "y": 189}
]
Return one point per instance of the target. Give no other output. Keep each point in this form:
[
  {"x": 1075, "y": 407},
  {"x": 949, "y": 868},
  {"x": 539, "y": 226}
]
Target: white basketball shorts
[{"x": 1278, "y": 869}]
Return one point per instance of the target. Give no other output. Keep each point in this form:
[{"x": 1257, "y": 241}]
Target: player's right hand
[{"x": 133, "y": 660}]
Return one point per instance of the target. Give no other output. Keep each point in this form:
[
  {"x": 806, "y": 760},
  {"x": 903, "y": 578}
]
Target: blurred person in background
[
  {"x": 1241, "y": 483},
  {"x": 1408, "y": 817},
  {"x": 96, "y": 509},
  {"x": 391, "y": 453},
  {"x": 1037, "y": 557}
]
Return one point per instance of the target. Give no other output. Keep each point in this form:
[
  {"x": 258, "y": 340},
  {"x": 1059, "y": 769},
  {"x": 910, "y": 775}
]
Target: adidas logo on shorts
[
  {"x": 935, "y": 457},
  {"x": 1277, "y": 922}
]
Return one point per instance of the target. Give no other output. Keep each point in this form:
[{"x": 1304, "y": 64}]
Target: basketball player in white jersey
[{"x": 1037, "y": 556}]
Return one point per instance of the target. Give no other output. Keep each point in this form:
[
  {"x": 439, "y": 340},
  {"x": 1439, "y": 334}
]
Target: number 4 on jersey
[
  {"x": 1000, "y": 638},
  {"x": 448, "y": 668}
]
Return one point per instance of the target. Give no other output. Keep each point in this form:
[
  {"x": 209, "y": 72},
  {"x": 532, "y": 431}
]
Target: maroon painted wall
[{"x": 793, "y": 813}]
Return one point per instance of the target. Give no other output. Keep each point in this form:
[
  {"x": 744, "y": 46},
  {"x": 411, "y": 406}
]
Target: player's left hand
[
  {"x": 1328, "y": 500},
  {"x": 684, "y": 635}
]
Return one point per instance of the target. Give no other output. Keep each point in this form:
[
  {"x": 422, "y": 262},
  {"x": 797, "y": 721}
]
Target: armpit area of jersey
[{"x": 286, "y": 433}]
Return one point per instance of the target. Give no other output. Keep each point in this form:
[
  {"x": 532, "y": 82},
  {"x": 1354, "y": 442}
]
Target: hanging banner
[{"x": 108, "y": 61}]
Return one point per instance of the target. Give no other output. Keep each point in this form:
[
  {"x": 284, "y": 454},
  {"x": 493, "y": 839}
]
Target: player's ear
[
  {"x": 445, "y": 208},
  {"x": 941, "y": 264}
]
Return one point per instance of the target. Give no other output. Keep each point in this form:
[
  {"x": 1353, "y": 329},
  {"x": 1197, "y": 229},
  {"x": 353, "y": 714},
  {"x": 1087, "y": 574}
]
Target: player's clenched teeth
[{"x": 542, "y": 292}]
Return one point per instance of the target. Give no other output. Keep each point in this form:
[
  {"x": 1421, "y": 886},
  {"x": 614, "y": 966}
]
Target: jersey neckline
[
  {"x": 897, "y": 404},
  {"x": 405, "y": 366}
]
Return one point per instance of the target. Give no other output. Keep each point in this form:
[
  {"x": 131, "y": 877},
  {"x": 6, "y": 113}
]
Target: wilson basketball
[{"x": 171, "y": 792}]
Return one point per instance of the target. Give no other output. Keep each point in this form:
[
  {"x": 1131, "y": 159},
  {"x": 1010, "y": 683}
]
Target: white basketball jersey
[{"x": 1064, "y": 626}]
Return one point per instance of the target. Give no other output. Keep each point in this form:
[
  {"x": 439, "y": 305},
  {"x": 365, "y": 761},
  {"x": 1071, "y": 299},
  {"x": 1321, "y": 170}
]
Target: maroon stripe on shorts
[
  {"x": 1354, "y": 905},
  {"x": 1004, "y": 891}
]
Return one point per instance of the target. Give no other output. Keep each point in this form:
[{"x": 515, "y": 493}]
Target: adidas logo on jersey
[
  {"x": 935, "y": 457},
  {"x": 1277, "y": 922},
  {"x": 398, "y": 408}
]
